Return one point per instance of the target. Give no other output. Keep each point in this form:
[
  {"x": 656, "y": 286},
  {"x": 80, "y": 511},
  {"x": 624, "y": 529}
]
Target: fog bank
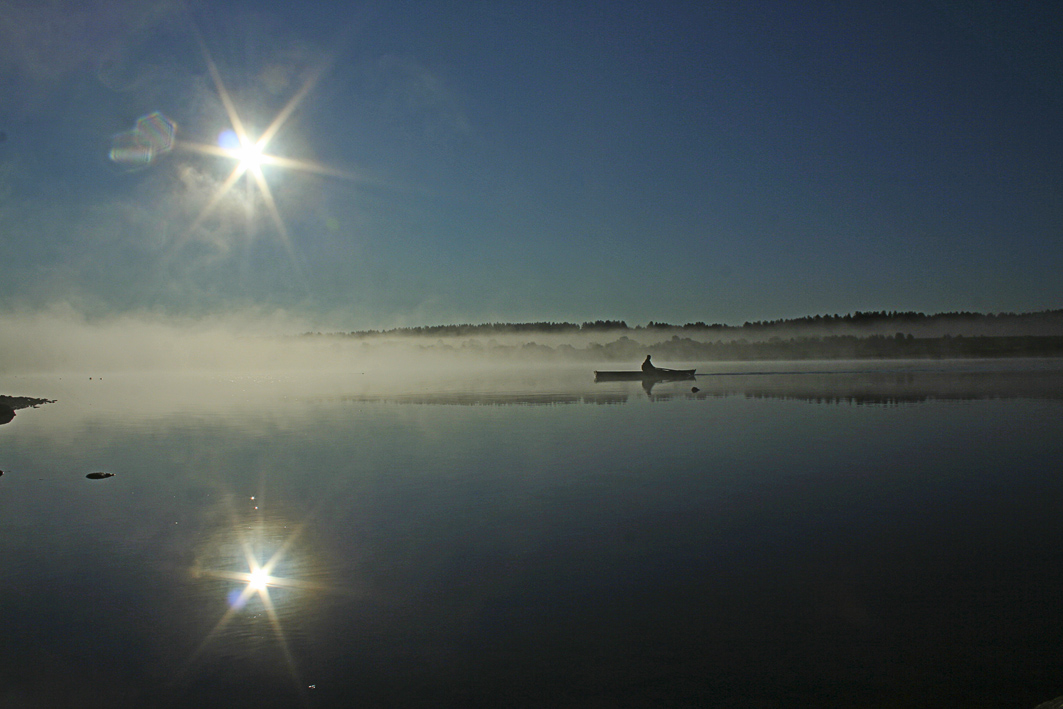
[{"x": 62, "y": 340}]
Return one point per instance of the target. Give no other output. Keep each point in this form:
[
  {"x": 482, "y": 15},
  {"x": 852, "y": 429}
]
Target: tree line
[{"x": 1049, "y": 322}]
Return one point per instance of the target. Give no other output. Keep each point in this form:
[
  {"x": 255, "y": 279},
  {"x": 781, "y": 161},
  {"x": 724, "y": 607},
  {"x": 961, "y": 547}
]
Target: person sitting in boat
[{"x": 647, "y": 366}]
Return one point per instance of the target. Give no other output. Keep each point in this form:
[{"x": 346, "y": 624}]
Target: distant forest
[
  {"x": 1047, "y": 322},
  {"x": 859, "y": 335}
]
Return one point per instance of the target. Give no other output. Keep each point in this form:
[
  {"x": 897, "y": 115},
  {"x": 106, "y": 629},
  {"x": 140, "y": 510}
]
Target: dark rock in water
[
  {"x": 1, "y": 472},
  {"x": 8, "y": 404},
  {"x": 694, "y": 390},
  {"x": 99, "y": 476}
]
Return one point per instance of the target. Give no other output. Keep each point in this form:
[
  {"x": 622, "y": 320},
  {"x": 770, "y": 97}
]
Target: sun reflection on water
[
  {"x": 262, "y": 566},
  {"x": 258, "y": 580}
]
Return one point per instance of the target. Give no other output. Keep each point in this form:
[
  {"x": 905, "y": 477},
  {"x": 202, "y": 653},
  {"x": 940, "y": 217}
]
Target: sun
[{"x": 250, "y": 154}]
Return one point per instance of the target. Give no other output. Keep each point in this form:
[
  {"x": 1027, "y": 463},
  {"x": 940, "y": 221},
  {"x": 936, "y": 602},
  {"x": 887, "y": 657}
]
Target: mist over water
[
  {"x": 64, "y": 340},
  {"x": 436, "y": 526}
]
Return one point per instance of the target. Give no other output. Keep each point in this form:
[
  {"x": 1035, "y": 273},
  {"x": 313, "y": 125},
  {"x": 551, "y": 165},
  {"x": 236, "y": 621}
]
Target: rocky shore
[{"x": 10, "y": 404}]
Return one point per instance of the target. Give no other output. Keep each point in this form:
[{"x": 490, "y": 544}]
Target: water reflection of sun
[
  {"x": 259, "y": 580},
  {"x": 260, "y": 577},
  {"x": 264, "y": 567}
]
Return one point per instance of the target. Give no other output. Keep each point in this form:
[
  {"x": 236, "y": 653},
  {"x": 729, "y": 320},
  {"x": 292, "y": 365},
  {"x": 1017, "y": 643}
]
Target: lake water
[{"x": 817, "y": 534}]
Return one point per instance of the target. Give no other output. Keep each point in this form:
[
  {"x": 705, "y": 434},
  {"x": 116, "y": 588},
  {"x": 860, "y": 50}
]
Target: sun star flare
[
  {"x": 250, "y": 156},
  {"x": 258, "y": 580}
]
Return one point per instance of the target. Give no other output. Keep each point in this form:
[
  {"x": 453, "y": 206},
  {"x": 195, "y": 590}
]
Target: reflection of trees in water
[
  {"x": 899, "y": 346},
  {"x": 489, "y": 399},
  {"x": 888, "y": 388},
  {"x": 830, "y": 388},
  {"x": 854, "y": 400}
]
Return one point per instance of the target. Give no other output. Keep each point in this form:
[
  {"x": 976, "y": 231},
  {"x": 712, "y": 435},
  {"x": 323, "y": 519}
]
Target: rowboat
[{"x": 654, "y": 375}]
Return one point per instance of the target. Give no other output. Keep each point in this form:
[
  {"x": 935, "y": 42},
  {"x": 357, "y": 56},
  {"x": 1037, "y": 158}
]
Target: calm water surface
[{"x": 868, "y": 534}]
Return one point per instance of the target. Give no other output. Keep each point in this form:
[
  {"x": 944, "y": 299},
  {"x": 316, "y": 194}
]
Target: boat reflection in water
[{"x": 648, "y": 378}]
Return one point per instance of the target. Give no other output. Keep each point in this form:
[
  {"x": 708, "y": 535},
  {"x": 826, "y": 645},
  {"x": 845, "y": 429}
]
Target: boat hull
[{"x": 657, "y": 375}]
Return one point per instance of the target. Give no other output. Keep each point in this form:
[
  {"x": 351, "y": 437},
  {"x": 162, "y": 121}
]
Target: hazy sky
[{"x": 484, "y": 161}]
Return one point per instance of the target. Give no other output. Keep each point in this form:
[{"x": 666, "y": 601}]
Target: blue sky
[{"x": 487, "y": 161}]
